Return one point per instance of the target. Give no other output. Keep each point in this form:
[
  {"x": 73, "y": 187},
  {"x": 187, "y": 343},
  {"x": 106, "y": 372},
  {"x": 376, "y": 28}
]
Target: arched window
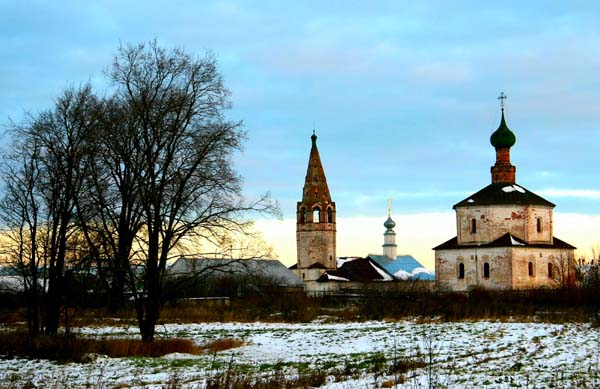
[
  {"x": 461, "y": 270},
  {"x": 473, "y": 226},
  {"x": 331, "y": 259},
  {"x": 303, "y": 215},
  {"x": 530, "y": 269},
  {"x": 316, "y": 215},
  {"x": 329, "y": 215},
  {"x": 539, "y": 224},
  {"x": 486, "y": 270},
  {"x": 550, "y": 270}
]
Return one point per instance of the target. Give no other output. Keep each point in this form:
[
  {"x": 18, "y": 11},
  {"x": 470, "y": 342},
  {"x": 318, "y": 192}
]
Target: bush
[{"x": 75, "y": 349}]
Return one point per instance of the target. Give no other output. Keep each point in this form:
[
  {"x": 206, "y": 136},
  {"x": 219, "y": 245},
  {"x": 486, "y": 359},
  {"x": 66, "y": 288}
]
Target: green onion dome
[
  {"x": 503, "y": 137},
  {"x": 389, "y": 223}
]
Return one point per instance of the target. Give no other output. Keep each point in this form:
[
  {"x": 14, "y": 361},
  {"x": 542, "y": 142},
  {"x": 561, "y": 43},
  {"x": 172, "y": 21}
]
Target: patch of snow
[
  {"x": 418, "y": 270},
  {"x": 341, "y": 261},
  {"x": 181, "y": 356},
  {"x": 514, "y": 242},
  {"x": 386, "y": 276},
  {"x": 512, "y": 188},
  {"x": 402, "y": 275},
  {"x": 11, "y": 284},
  {"x": 336, "y": 278},
  {"x": 470, "y": 201},
  {"x": 467, "y": 354}
]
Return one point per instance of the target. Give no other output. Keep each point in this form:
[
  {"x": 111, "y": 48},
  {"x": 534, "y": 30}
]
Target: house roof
[
  {"x": 506, "y": 240},
  {"x": 356, "y": 270},
  {"x": 403, "y": 267},
  {"x": 500, "y": 193},
  {"x": 271, "y": 269}
]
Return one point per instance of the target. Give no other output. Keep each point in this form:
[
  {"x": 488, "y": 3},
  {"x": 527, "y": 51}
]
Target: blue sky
[{"x": 402, "y": 94}]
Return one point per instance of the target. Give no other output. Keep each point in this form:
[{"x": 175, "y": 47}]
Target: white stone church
[{"x": 504, "y": 235}]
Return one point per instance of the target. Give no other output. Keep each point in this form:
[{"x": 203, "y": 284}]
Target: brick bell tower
[
  {"x": 315, "y": 219},
  {"x": 503, "y": 139}
]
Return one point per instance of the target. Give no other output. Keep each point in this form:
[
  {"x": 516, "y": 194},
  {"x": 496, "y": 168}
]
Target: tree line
[{"x": 119, "y": 182}]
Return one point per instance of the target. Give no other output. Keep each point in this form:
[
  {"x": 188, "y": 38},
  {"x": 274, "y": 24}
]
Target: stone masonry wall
[{"x": 494, "y": 221}]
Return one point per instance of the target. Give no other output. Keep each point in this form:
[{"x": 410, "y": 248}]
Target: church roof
[
  {"x": 403, "y": 265},
  {"x": 506, "y": 240},
  {"x": 356, "y": 270},
  {"x": 501, "y": 193},
  {"x": 214, "y": 268},
  {"x": 315, "y": 184}
]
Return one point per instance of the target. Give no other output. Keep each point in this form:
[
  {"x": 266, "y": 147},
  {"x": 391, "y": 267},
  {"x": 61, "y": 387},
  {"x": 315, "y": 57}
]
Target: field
[{"x": 407, "y": 354}]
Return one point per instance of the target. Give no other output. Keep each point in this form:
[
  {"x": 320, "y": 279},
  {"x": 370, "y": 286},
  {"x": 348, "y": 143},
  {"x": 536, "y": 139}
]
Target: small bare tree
[
  {"x": 43, "y": 186},
  {"x": 20, "y": 212}
]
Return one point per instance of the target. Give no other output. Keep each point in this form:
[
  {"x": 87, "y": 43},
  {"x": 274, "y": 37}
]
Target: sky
[{"x": 402, "y": 95}]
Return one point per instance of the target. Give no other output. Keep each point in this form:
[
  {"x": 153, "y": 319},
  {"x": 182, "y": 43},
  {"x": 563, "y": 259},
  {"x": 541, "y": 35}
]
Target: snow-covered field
[{"x": 462, "y": 354}]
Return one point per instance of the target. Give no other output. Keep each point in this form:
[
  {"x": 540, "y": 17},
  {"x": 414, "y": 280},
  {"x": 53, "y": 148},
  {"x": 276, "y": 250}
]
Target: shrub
[{"x": 75, "y": 349}]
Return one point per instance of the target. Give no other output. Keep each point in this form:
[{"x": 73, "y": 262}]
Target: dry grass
[
  {"x": 70, "y": 348},
  {"x": 119, "y": 348},
  {"x": 222, "y": 344}
]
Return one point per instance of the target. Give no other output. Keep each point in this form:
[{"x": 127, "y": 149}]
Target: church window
[
  {"x": 473, "y": 226},
  {"x": 539, "y": 224},
  {"x": 461, "y": 270},
  {"x": 303, "y": 275},
  {"x": 331, "y": 259},
  {"x": 550, "y": 270},
  {"x": 329, "y": 215},
  {"x": 316, "y": 215},
  {"x": 315, "y": 194},
  {"x": 530, "y": 269},
  {"x": 303, "y": 215},
  {"x": 486, "y": 270}
]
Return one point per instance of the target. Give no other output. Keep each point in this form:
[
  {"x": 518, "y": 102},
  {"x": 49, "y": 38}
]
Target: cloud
[{"x": 589, "y": 194}]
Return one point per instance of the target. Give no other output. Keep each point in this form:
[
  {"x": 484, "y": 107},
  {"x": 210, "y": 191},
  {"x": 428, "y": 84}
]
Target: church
[{"x": 504, "y": 234}]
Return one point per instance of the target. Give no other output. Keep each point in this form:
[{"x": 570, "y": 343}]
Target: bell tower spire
[{"x": 315, "y": 217}]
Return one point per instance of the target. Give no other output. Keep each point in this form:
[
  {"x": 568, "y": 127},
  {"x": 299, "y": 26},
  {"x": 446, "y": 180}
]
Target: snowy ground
[{"x": 463, "y": 354}]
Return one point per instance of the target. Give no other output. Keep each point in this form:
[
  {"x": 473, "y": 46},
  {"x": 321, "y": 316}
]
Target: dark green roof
[
  {"x": 506, "y": 240},
  {"x": 501, "y": 193},
  {"x": 503, "y": 137}
]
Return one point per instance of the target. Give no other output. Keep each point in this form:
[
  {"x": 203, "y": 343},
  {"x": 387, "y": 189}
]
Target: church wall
[
  {"x": 447, "y": 271},
  {"x": 316, "y": 242},
  {"x": 561, "y": 260},
  {"x": 494, "y": 221},
  {"x": 508, "y": 268}
]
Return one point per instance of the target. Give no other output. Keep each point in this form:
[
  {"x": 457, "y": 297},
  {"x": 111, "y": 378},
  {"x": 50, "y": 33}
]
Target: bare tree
[
  {"x": 63, "y": 136},
  {"x": 175, "y": 106},
  {"x": 20, "y": 212}
]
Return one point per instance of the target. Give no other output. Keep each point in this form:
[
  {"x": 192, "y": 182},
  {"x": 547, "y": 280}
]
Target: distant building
[
  {"x": 315, "y": 223},
  {"x": 247, "y": 274},
  {"x": 317, "y": 264},
  {"x": 504, "y": 235},
  {"x": 403, "y": 267}
]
